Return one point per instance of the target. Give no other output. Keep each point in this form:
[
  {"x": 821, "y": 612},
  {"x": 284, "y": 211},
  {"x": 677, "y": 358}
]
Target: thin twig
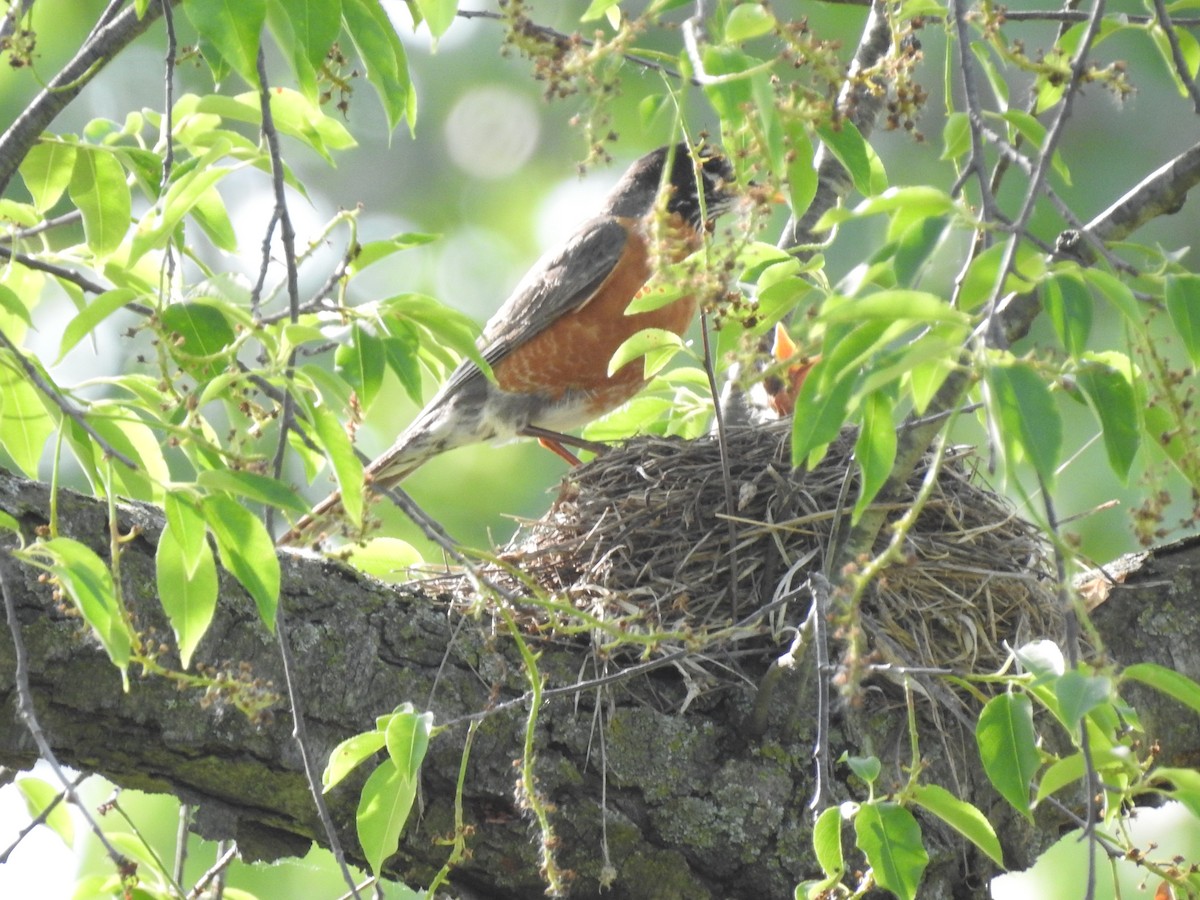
[
  {"x": 168, "y": 136},
  {"x": 991, "y": 334},
  {"x": 1070, "y": 611},
  {"x": 1182, "y": 68},
  {"x": 288, "y": 238},
  {"x": 976, "y": 164},
  {"x": 222, "y": 863},
  {"x": 29, "y": 716},
  {"x": 548, "y": 34},
  {"x": 41, "y": 818},
  {"x": 726, "y": 476},
  {"x": 32, "y": 262},
  {"x": 1071, "y": 16}
]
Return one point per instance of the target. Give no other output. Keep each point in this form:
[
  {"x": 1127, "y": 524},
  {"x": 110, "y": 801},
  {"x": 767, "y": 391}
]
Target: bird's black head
[{"x": 638, "y": 188}]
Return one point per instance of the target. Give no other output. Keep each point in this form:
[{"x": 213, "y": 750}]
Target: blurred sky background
[{"x": 493, "y": 168}]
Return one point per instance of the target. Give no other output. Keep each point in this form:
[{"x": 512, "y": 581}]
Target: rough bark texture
[{"x": 695, "y": 806}]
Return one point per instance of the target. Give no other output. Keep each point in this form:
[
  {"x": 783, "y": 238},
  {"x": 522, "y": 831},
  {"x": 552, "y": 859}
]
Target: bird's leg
[{"x": 554, "y": 441}]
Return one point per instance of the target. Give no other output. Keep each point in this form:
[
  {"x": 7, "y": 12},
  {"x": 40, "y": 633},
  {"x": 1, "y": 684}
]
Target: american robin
[{"x": 550, "y": 344}]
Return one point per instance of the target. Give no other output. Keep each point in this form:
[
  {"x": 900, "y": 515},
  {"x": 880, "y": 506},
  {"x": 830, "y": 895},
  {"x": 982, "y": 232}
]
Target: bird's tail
[{"x": 430, "y": 435}]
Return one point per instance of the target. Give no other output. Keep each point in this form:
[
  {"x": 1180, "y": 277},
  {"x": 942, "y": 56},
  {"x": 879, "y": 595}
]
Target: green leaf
[
  {"x": 890, "y": 305},
  {"x": 1035, "y": 133},
  {"x": 339, "y": 450},
  {"x": 388, "y": 559},
  {"x": 188, "y": 598},
  {"x": 915, "y": 245},
  {"x": 1166, "y": 681},
  {"x": 373, "y": 251},
  {"x": 732, "y": 96},
  {"x": 747, "y": 21},
  {"x": 960, "y": 815},
  {"x": 820, "y": 413},
  {"x": 247, "y": 552},
  {"x": 1042, "y": 658},
  {"x": 827, "y": 843},
  {"x": 1027, "y": 417},
  {"x": 347, "y": 756},
  {"x": 99, "y": 309},
  {"x": 8, "y": 523},
  {"x": 1071, "y": 768},
  {"x": 383, "y": 57},
  {"x": 408, "y": 739},
  {"x": 865, "y": 767},
  {"x": 1118, "y": 294},
  {"x": 210, "y": 214},
  {"x": 233, "y": 28},
  {"x": 292, "y": 114},
  {"x": 362, "y": 363},
  {"x": 98, "y": 188},
  {"x": 890, "y": 838},
  {"x": 46, "y": 170},
  {"x": 386, "y": 801},
  {"x": 198, "y": 333},
  {"x": 254, "y": 487},
  {"x": 875, "y": 449},
  {"x": 801, "y": 173},
  {"x": 188, "y": 529},
  {"x": 996, "y": 78},
  {"x": 846, "y": 143},
  {"x": 38, "y": 796},
  {"x": 1008, "y": 747},
  {"x": 1115, "y": 404},
  {"x": 86, "y": 579},
  {"x": 980, "y": 281},
  {"x": 1068, "y": 304},
  {"x": 956, "y": 136},
  {"x": 597, "y": 9},
  {"x": 11, "y": 304},
  {"x": 657, "y": 345},
  {"x": 25, "y": 425},
  {"x": 438, "y": 15},
  {"x": 402, "y": 350},
  {"x": 1186, "y": 786},
  {"x": 446, "y": 325},
  {"x": 159, "y": 224},
  {"x": 1183, "y": 305},
  {"x": 312, "y": 26}
]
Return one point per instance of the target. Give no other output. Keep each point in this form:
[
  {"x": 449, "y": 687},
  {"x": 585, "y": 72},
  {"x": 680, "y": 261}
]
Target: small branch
[
  {"x": 542, "y": 32},
  {"x": 1182, "y": 69},
  {"x": 1071, "y": 16},
  {"x": 105, "y": 42},
  {"x": 977, "y": 163},
  {"x": 860, "y": 106},
  {"x": 212, "y": 874},
  {"x": 723, "y": 446},
  {"x": 991, "y": 334},
  {"x": 32, "y": 262},
  {"x": 287, "y": 236},
  {"x": 1160, "y": 193}
]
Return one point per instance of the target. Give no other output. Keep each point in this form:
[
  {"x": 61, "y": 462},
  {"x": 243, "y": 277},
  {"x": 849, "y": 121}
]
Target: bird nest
[{"x": 653, "y": 546}]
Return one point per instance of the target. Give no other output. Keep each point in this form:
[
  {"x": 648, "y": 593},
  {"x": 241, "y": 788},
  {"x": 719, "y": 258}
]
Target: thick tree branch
[{"x": 692, "y": 802}]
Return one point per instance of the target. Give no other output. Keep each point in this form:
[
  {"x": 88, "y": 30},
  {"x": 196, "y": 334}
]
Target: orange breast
[{"x": 573, "y": 353}]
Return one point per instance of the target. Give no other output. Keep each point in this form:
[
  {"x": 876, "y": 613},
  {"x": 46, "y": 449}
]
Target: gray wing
[{"x": 561, "y": 281}]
